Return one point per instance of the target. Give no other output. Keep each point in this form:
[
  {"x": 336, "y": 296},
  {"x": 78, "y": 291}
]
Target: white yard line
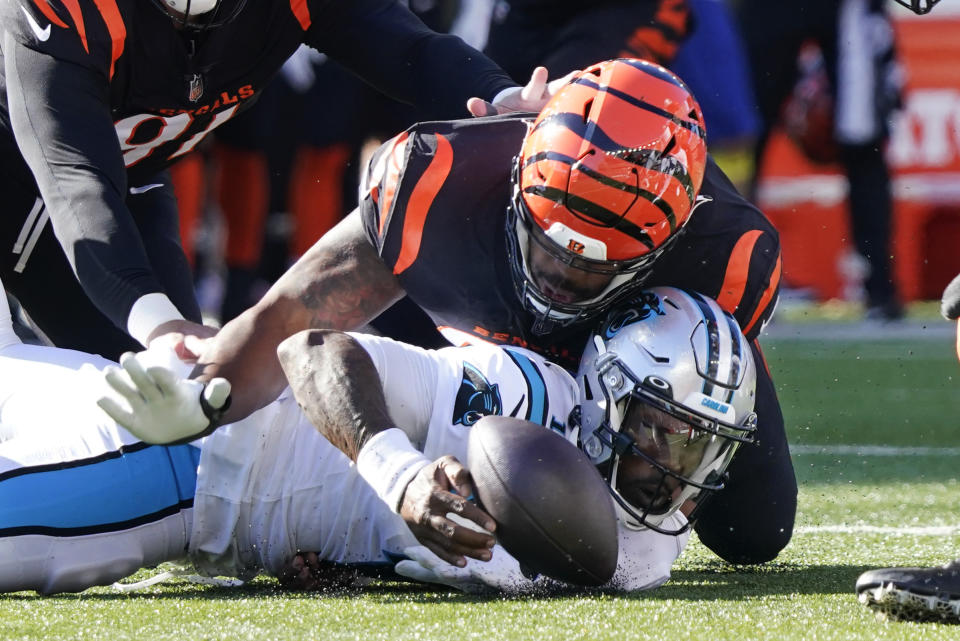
[
  {"x": 873, "y": 450},
  {"x": 933, "y": 530}
]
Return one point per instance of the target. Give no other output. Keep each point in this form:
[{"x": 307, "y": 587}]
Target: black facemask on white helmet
[
  {"x": 919, "y": 7},
  {"x": 667, "y": 390},
  {"x": 199, "y": 15}
]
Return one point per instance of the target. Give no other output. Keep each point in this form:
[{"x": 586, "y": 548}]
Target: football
[{"x": 553, "y": 511}]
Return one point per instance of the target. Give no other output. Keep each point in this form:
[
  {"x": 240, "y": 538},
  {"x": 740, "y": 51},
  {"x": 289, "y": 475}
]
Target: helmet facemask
[
  {"x": 919, "y": 7},
  {"x": 667, "y": 391},
  {"x": 200, "y": 15},
  {"x": 625, "y": 276},
  {"x": 682, "y": 453}
]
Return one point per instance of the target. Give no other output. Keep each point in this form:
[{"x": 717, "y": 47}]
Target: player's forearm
[
  {"x": 338, "y": 387},
  {"x": 340, "y": 283}
]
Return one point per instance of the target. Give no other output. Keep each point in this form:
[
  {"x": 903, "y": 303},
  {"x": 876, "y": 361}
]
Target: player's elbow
[{"x": 303, "y": 352}]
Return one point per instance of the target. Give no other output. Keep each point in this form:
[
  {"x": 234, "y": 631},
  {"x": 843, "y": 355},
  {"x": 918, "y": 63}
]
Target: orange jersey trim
[
  {"x": 301, "y": 12},
  {"x": 74, "y": 8},
  {"x": 763, "y": 359},
  {"x": 767, "y": 296},
  {"x": 47, "y": 10},
  {"x": 394, "y": 160},
  {"x": 118, "y": 31},
  {"x": 424, "y": 193},
  {"x": 738, "y": 270}
]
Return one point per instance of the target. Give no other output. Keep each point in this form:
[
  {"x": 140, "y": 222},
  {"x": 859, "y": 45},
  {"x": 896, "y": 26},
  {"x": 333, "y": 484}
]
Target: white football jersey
[{"x": 270, "y": 486}]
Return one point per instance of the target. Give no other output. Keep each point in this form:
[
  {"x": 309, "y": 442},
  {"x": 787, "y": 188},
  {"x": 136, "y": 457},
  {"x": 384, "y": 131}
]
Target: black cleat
[{"x": 913, "y": 594}]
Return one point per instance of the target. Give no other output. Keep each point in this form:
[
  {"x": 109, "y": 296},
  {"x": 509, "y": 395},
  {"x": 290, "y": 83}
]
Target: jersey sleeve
[
  {"x": 751, "y": 281},
  {"x": 751, "y": 273},
  {"x": 378, "y": 188},
  {"x": 83, "y": 32},
  {"x": 729, "y": 251},
  {"x": 58, "y": 99},
  {"x": 409, "y": 376},
  {"x": 389, "y": 47}
]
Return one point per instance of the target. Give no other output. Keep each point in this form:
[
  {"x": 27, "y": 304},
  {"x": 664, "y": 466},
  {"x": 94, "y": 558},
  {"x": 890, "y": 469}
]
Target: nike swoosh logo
[
  {"x": 144, "y": 189},
  {"x": 41, "y": 34}
]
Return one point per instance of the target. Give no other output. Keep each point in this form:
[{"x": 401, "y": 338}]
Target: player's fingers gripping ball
[{"x": 428, "y": 504}]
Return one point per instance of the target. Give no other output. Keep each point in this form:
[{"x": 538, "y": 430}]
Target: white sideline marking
[
  {"x": 874, "y": 450},
  {"x": 933, "y": 530}
]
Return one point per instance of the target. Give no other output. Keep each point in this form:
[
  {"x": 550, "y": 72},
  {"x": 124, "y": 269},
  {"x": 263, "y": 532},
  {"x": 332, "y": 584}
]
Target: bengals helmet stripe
[
  {"x": 592, "y": 210},
  {"x": 646, "y": 106},
  {"x": 639, "y": 156},
  {"x": 642, "y": 157}
]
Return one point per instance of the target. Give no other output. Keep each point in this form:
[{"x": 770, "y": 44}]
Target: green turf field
[{"x": 878, "y": 458}]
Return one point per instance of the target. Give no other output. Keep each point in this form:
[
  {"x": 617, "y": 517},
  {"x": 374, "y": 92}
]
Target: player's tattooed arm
[{"x": 340, "y": 283}]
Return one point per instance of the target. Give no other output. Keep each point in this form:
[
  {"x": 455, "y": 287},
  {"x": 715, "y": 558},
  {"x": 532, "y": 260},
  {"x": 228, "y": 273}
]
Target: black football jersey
[
  {"x": 434, "y": 203},
  {"x": 98, "y": 96}
]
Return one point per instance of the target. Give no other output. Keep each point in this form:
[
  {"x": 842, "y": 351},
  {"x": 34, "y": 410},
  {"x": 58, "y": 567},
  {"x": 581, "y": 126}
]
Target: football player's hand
[
  {"x": 500, "y": 574},
  {"x": 175, "y": 331},
  {"x": 157, "y": 405},
  {"x": 950, "y": 301},
  {"x": 308, "y": 572},
  {"x": 437, "y": 491},
  {"x": 532, "y": 97}
]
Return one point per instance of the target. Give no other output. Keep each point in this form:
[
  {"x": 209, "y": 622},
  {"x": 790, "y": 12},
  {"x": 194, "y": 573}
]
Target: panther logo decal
[
  {"x": 475, "y": 398},
  {"x": 642, "y": 307}
]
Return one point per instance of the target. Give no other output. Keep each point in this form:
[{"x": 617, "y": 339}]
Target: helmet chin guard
[{"x": 667, "y": 388}]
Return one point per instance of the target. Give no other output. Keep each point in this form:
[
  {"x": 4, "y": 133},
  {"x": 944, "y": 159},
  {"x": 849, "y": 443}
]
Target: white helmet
[
  {"x": 667, "y": 386},
  {"x": 187, "y": 12}
]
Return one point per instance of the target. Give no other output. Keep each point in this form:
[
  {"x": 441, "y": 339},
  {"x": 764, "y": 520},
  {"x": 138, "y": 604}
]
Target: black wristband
[{"x": 214, "y": 414}]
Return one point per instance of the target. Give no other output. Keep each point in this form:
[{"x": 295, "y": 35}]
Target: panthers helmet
[
  {"x": 608, "y": 175},
  {"x": 667, "y": 382},
  {"x": 919, "y": 7},
  {"x": 200, "y": 14}
]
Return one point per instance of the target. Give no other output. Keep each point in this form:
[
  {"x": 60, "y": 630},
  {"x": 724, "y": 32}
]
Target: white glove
[
  {"x": 500, "y": 574},
  {"x": 157, "y": 405}
]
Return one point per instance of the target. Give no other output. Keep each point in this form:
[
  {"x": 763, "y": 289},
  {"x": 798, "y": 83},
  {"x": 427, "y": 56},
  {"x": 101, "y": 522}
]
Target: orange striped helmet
[{"x": 607, "y": 177}]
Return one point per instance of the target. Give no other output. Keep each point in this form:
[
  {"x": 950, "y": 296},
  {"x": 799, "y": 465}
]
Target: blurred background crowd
[{"x": 839, "y": 118}]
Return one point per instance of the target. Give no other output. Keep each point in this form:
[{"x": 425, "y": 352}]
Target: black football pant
[
  {"x": 751, "y": 519},
  {"x": 34, "y": 268}
]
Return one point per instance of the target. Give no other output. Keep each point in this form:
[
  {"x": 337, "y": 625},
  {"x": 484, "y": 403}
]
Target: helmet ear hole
[
  {"x": 586, "y": 110},
  {"x": 670, "y": 145},
  {"x": 660, "y": 385}
]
